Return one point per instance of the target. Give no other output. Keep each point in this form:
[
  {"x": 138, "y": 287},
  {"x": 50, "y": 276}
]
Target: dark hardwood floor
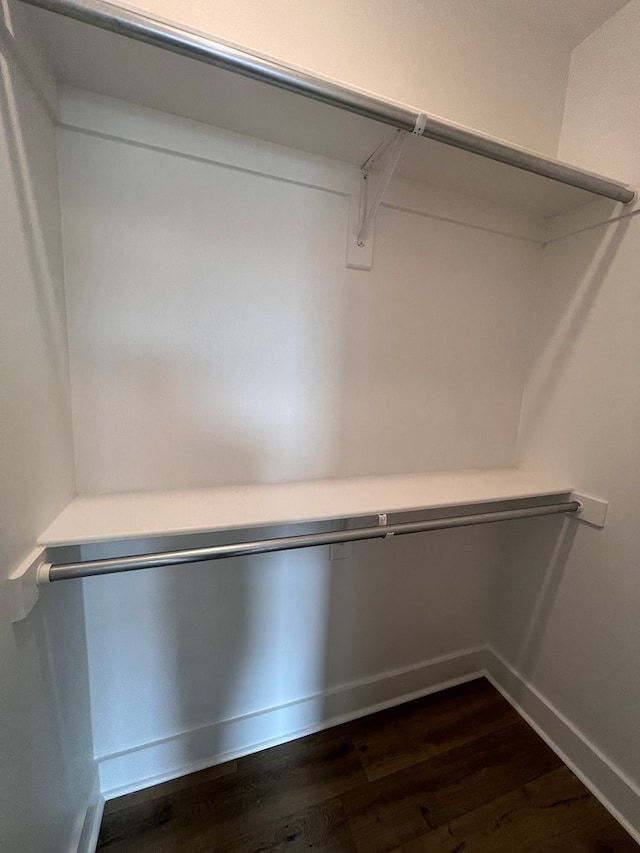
[{"x": 456, "y": 771}]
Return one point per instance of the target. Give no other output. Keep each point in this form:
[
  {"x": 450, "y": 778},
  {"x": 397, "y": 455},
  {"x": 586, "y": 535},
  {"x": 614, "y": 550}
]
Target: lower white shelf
[
  {"x": 108, "y": 518},
  {"x": 124, "y": 521}
]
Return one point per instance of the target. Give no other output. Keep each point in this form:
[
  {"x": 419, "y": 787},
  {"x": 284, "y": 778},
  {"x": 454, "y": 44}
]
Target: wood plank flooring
[{"x": 455, "y": 772}]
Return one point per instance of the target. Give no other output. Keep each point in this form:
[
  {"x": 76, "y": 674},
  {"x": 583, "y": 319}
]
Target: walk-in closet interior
[{"x": 283, "y": 282}]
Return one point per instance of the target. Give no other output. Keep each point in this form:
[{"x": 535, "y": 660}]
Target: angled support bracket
[
  {"x": 371, "y": 196},
  {"x": 23, "y": 585},
  {"x": 363, "y": 210}
]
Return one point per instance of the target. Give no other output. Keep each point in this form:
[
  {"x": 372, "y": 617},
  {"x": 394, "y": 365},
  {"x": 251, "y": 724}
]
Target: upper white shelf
[
  {"x": 106, "y": 518},
  {"x": 112, "y": 50}
]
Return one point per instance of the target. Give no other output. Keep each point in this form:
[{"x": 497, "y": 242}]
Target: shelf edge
[{"x": 101, "y": 518}]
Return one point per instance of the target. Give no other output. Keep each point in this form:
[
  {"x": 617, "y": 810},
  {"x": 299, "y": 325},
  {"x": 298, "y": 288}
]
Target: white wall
[
  {"x": 567, "y": 617},
  {"x": 216, "y": 336},
  {"x": 440, "y": 328},
  {"x": 582, "y": 419},
  {"x": 466, "y": 61},
  {"x": 601, "y": 122},
  {"x": 46, "y": 752}
]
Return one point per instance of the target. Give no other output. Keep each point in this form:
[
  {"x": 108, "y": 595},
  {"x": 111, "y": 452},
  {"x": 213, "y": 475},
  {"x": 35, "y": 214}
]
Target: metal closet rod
[
  {"x": 194, "y": 45},
  {"x": 66, "y": 571}
]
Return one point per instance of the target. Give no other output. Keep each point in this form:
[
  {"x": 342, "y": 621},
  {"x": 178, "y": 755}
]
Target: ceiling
[{"x": 568, "y": 21}]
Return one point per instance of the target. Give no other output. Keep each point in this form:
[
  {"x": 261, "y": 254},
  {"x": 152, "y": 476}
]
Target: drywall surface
[
  {"x": 571, "y": 21},
  {"x": 567, "y": 609},
  {"x": 46, "y": 753},
  {"x": 601, "y": 122},
  {"x": 468, "y": 62},
  {"x": 216, "y": 335}
]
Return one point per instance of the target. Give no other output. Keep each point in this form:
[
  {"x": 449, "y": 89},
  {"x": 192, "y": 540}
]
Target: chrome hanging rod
[
  {"x": 186, "y": 42},
  {"x": 48, "y": 573}
]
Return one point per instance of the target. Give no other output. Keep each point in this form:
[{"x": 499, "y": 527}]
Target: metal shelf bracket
[{"x": 363, "y": 209}]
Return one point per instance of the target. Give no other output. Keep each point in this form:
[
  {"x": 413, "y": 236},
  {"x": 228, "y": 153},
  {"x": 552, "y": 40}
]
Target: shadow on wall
[
  {"x": 532, "y": 569},
  {"x": 183, "y": 659},
  {"x": 396, "y": 605},
  {"x": 35, "y": 226},
  {"x": 568, "y": 299},
  {"x": 168, "y": 646},
  {"x": 145, "y": 434},
  {"x": 54, "y": 745}
]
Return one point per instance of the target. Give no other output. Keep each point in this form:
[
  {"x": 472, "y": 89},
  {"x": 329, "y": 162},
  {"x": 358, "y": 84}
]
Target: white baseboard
[
  {"x": 187, "y": 752},
  {"x": 618, "y": 794},
  {"x": 88, "y": 840}
]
